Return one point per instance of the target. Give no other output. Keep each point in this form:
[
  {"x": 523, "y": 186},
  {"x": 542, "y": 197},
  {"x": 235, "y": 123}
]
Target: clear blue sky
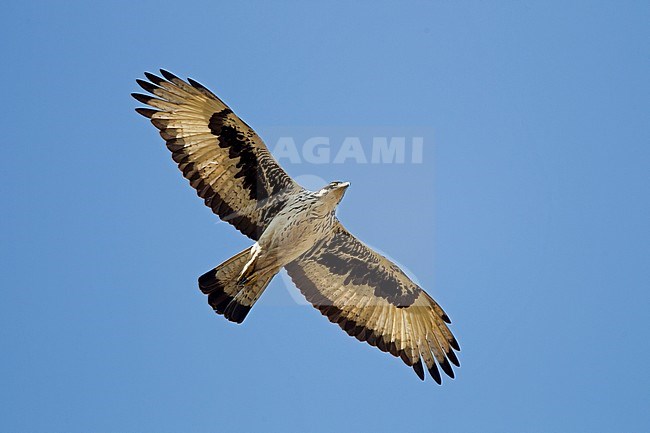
[{"x": 527, "y": 219}]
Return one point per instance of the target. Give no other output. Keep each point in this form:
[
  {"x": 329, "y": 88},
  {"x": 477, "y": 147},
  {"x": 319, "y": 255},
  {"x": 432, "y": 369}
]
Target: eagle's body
[
  {"x": 308, "y": 217},
  {"x": 366, "y": 294}
]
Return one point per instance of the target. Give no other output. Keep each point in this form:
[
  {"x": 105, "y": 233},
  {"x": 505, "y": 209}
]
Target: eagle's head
[{"x": 334, "y": 191}]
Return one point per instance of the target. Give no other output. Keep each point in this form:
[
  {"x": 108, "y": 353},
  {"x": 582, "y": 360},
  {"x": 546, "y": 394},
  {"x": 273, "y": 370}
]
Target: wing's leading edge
[
  {"x": 221, "y": 156},
  {"x": 372, "y": 299}
]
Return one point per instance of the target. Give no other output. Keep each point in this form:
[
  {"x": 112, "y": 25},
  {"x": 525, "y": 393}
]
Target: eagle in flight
[{"x": 227, "y": 163}]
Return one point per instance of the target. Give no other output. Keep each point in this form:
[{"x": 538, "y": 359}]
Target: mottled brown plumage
[
  {"x": 221, "y": 156},
  {"x": 367, "y": 295}
]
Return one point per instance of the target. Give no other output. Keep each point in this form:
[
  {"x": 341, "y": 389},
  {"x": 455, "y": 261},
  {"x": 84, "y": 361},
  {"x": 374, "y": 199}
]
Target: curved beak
[{"x": 340, "y": 190}]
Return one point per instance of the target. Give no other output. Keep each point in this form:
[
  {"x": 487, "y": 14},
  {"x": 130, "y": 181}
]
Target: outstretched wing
[
  {"x": 373, "y": 300},
  {"x": 222, "y": 157}
]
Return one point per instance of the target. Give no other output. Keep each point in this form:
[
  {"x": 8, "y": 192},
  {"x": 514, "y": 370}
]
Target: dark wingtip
[
  {"x": 153, "y": 78},
  {"x": 169, "y": 75},
  {"x": 446, "y": 318},
  {"x": 142, "y": 98},
  {"x": 196, "y": 84},
  {"x": 452, "y": 358},
  {"x": 419, "y": 370},
  {"x": 454, "y": 344},
  {"x": 200, "y": 87},
  {"x": 146, "y": 112},
  {"x": 147, "y": 85},
  {"x": 447, "y": 368},
  {"x": 433, "y": 371}
]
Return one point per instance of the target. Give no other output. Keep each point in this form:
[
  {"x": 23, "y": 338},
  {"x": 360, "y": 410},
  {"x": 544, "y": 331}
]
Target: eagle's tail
[{"x": 226, "y": 291}]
